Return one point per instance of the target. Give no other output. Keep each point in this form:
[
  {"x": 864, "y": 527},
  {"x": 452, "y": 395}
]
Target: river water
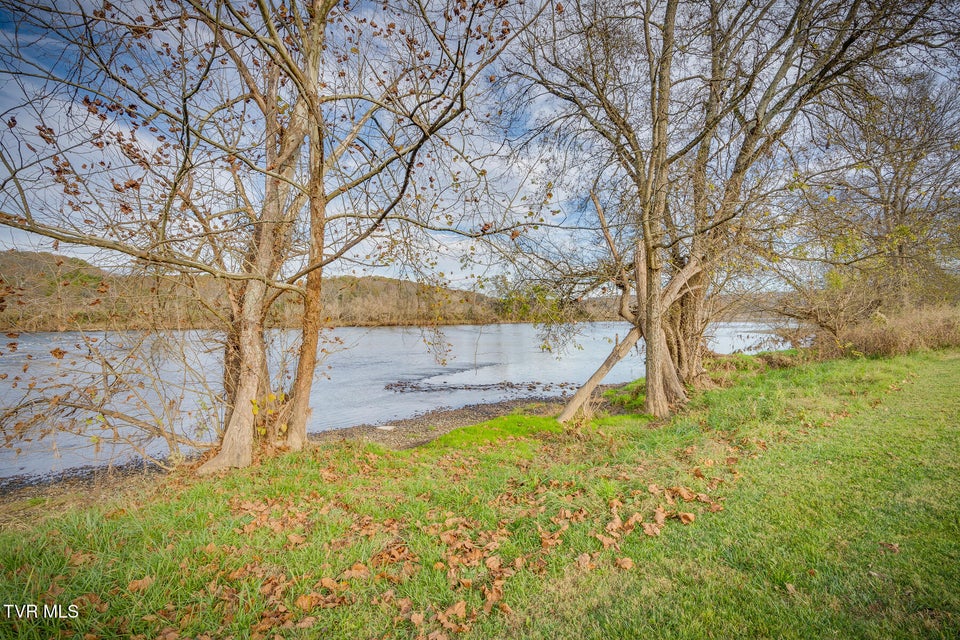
[{"x": 368, "y": 376}]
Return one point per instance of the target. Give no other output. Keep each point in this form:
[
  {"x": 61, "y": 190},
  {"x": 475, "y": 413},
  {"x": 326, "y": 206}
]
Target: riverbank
[
  {"x": 23, "y": 499},
  {"x": 820, "y": 500}
]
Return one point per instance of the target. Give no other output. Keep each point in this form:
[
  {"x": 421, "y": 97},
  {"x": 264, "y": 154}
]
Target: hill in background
[{"x": 48, "y": 292}]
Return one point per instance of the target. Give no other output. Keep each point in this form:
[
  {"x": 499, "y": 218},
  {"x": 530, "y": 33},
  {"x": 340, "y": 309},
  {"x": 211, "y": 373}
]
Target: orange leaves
[
  {"x": 659, "y": 516},
  {"x": 454, "y": 618},
  {"x": 550, "y": 539},
  {"x": 310, "y": 601},
  {"x": 136, "y": 586},
  {"x": 358, "y": 570},
  {"x": 585, "y": 562},
  {"x": 606, "y": 541},
  {"x": 624, "y": 563}
]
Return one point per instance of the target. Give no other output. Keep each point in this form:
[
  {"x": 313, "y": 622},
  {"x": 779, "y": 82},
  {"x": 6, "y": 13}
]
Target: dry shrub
[{"x": 917, "y": 330}]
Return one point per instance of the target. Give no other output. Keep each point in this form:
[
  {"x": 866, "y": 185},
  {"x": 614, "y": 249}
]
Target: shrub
[{"x": 880, "y": 335}]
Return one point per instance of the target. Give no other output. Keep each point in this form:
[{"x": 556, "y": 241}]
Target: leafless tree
[
  {"x": 257, "y": 143},
  {"x": 681, "y": 103}
]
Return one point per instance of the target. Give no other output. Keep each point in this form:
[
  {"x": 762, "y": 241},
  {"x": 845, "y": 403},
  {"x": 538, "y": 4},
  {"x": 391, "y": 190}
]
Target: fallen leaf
[
  {"x": 632, "y": 522},
  {"x": 140, "y": 585},
  {"x": 307, "y": 622},
  {"x": 606, "y": 541},
  {"x": 307, "y": 601},
  {"x": 458, "y": 609},
  {"x": 583, "y": 562},
  {"x": 358, "y": 570},
  {"x": 891, "y": 546},
  {"x": 416, "y": 619},
  {"x": 331, "y": 584},
  {"x": 651, "y": 529},
  {"x": 792, "y": 590},
  {"x": 296, "y": 538},
  {"x": 683, "y": 492},
  {"x": 686, "y": 518},
  {"x": 660, "y": 516},
  {"x": 625, "y": 563}
]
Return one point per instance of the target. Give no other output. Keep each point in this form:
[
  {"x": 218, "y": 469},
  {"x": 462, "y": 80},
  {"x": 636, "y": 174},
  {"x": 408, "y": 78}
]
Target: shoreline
[{"x": 21, "y": 496}]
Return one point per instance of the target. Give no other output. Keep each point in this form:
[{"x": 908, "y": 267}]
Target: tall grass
[{"x": 881, "y": 335}]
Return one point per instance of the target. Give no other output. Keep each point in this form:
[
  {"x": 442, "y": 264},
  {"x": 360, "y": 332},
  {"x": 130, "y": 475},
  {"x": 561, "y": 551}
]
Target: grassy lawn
[{"x": 818, "y": 501}]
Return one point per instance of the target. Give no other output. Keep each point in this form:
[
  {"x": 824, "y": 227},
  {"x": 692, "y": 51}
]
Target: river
[{"x": 367, "y": 376}]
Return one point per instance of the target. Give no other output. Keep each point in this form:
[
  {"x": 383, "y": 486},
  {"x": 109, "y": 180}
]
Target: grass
[{"x": 821, "y": 501}]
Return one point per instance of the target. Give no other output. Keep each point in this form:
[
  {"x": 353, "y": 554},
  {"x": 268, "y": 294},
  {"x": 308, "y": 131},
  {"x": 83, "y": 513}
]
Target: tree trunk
[
  {"x": 690, "y": 328},
  {"x": 663, "y": 386},
  {"x": 583, "y": 393},
  {"x": 312, "y": 302},
  {"x": 236, "y": 449},
  {"x": 307, "y": 363}
]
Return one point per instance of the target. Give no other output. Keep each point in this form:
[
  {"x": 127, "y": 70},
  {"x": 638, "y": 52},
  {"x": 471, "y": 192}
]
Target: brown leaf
[
  {"x": 792, "y": 590},
  {"x": 331, "y": 584},
  {"x": 605, "y": 540},
  {"x": 584, "y": 562},
  {"x": 416, "y": 619},
  {"x": 140, "y": 585},
  {"x": 493, "y": 563},
  {"x": 307, "y": 622},
  {"x": 684, "y": 493},
  {"x": 632, "y": 522},
  {"x": 651, "y": 529},
  {"x": 307, "y": 601},
  {"x": 459, "y": 609},
  {"x": 686, "y": 518},
  {"x": 358, "y": 570},
  {"x": 505, "y": 608},
  {"x": 625, "y": 563},
  {"x": 891, "y": 546},
  {"x": 295, "y": 540},
  {"x": 660, "y": 516}
]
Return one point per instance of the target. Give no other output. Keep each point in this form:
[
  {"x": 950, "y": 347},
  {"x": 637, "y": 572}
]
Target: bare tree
[
  {"x": 681, "y": 103},
  {"x": 259, "y": 143},
  {"x": 875, "y": 204}
]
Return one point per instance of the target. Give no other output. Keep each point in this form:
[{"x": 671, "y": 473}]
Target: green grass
[{"x": 826, "y": 504}]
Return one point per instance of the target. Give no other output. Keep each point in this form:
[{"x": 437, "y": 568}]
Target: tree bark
[
  {"x": 236, "y": 449},
  {"x": 309, "y": 342}
]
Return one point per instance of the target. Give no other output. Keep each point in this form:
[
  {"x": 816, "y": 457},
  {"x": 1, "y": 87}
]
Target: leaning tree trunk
[{"x": 583, "y": 394}]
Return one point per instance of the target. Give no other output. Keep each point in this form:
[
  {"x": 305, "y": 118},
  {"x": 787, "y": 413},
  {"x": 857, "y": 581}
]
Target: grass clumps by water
[{"x": 815, "y": 501}]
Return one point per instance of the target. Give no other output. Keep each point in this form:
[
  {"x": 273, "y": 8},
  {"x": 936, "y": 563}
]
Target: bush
[{"x": 917, "y": 330}]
